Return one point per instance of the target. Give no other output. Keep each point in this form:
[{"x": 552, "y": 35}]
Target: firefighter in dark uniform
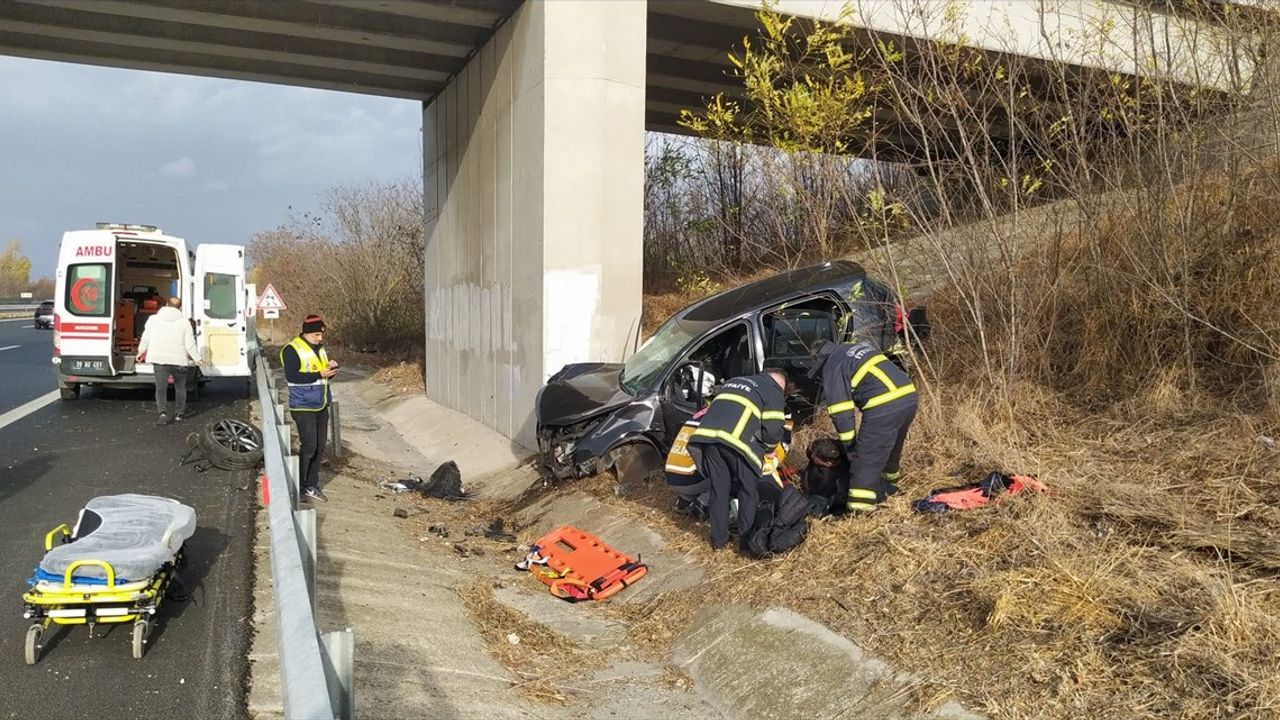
[
  {"x": 858, "y": 376},
  {"x": 743, "y": 424}
]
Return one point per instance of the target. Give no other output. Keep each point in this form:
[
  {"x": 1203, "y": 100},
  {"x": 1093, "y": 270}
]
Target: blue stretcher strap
[{"x": 75, "y": 579}]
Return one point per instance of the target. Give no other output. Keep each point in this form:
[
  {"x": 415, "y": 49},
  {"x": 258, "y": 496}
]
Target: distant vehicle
[
  {"x": 112, "y": 279},
  {"x": 591, "y": 415},
  {"x": 44, "y": 315}
]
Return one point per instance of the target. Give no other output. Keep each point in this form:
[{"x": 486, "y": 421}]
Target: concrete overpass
[{"x": 533, "y": 128}]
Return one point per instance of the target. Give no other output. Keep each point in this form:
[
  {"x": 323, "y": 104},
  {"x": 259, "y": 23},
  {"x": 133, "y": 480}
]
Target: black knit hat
[{"x": 313, "y": 323}]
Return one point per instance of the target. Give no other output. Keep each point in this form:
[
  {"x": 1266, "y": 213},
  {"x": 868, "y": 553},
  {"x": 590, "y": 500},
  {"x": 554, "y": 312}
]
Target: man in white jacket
[{"x": 170, "y": 346}]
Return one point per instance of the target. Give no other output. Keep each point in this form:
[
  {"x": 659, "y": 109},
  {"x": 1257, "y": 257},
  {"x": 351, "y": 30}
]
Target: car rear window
[{"x": 88, "y": 288}]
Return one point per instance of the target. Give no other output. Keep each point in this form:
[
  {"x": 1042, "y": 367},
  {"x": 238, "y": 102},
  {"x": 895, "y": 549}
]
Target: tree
[
  {"x": 15, "y": 270},
  {"x": 43, "y": 288}
]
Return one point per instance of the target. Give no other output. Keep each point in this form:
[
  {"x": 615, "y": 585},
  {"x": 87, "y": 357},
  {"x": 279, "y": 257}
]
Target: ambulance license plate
[{"x": 85, "y": 366}]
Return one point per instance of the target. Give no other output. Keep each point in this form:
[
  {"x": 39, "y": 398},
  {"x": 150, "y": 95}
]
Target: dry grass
[
  {"x": 542, "y": 658},
  {"x": 1142, "y": 585},
  {"x": 403, "y": 377}
]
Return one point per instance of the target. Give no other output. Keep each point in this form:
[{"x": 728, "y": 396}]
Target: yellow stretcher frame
[{"x": 141, "y": 599}]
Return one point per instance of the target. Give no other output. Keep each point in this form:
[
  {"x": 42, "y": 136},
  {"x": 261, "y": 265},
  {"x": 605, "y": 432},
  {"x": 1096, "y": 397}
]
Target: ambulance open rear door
[{"x": 220, "y": 310}]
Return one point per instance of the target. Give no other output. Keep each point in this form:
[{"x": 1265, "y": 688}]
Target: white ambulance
[{"x": 111, "y": 280}]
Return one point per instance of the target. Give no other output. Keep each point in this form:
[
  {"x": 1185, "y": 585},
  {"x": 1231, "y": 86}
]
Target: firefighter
[
  {"x": 692, "y": 490},
  {"x": 743, "y": 424},
  {"x": 858, "y": 376}
]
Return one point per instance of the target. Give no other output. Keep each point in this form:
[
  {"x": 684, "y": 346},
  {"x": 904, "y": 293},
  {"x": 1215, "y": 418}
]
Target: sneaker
[
  {"x": 163, "y": 420},
  {"x": 314, "y": 494},
  {"x": 179, "y": 417}
]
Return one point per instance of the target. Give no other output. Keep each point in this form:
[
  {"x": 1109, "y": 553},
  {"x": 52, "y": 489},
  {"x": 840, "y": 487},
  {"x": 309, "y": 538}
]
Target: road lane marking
[
  {"x": 21, "y": 319},
  {"x": 26, "y": 409},
  {"x": 8, "y": 347}
]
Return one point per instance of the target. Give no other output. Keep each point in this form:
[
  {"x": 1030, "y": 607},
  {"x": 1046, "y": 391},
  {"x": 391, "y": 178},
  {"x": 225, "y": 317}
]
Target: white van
[{"x": 112, "y": 279}]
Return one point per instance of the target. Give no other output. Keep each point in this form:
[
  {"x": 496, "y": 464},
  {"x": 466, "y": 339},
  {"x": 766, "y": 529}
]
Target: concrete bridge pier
[{"x": 533, "y": 182}]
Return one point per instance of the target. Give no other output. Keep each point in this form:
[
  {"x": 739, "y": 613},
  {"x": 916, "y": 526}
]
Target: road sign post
[{"x": 270, "y": 303}]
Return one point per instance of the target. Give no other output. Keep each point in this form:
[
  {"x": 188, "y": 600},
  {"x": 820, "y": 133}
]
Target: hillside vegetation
[{"x": 1102, "y": 268}]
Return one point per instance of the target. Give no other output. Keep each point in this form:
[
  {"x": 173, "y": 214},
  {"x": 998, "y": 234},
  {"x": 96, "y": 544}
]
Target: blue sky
[{"x": 209, "y": 160}]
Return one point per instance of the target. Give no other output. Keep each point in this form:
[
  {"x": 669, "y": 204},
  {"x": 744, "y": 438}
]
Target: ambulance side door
[{"x": 220, "y": 310}]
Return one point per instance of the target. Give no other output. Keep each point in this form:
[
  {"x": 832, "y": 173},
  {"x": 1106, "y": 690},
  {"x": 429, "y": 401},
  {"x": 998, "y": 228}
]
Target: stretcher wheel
[
  {"x": 141, "y": 629},
  {"x": 31, "y": 650}
]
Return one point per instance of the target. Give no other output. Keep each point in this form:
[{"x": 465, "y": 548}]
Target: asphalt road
[{"x": 55, "y": 459}]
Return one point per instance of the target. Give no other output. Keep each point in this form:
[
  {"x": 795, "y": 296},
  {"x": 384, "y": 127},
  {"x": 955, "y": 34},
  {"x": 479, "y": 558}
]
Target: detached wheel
[
  {"x": 141, "y": 629},
  {"x": 232, "y": 444},
  {"x": 31, "y": 649},
  {"x": 69, "y": 391}
]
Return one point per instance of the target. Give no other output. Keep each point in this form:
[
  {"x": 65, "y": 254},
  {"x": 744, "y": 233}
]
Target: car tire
[
  {"x": 231, "y": 444},
  {"x": 70, "y": 391},
  {"x": 634, "y": 465}
]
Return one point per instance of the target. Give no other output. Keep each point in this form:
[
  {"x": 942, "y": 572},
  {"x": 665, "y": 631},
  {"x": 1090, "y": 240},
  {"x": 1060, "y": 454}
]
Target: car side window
[
  {"x": 792, "y": 332},
  {"x": 725, "y": 355}
]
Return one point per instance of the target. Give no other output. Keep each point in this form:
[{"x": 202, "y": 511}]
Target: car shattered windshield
[{"x": 640, "y": 370}]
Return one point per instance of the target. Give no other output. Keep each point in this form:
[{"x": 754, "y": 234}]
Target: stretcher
[
  {"x": 576, "y": 565},
  {"x": 114, "y": 566}
]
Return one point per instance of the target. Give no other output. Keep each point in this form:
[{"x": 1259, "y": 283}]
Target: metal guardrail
[
  {"x": 29, "y": 307},
  {"x": 317, "y": 671}
]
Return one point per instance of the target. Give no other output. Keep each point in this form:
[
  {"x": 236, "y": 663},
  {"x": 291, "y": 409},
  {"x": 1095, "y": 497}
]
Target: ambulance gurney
[
  {"x": 993, "y": 488},
  {"x": 576, "y": 565},
  {"x": 113, "y": 567}
]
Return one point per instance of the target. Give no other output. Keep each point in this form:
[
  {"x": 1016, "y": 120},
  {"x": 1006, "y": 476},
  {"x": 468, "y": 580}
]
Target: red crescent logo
[{"x": 84, "y": 294}]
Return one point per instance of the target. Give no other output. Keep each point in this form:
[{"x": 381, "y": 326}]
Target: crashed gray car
[{"x": 624, "y": 416}]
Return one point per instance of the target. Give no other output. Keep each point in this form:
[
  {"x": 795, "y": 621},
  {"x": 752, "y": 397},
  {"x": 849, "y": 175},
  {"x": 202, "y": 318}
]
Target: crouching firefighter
[
  {"x": 858, "y": 376},
  {"x": 692, "y": 490},
  {"x": 742, "y": 425}
]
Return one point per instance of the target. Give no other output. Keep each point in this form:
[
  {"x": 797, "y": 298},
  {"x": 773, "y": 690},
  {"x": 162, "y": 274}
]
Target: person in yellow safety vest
[
  {"x": 743, "y": 424},
  {"x": 693, "y": 491},
  {"x": 858, "y": 376},
  {"x": 307, "y": 368}
]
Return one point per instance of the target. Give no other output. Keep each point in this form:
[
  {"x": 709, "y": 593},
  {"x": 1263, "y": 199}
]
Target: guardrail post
[
  {"x": 295, "y": 482},
  {"x": 307, "y": 529},
  {"x": 335, "y": 423},
  {"x": 340, "y": 651}
]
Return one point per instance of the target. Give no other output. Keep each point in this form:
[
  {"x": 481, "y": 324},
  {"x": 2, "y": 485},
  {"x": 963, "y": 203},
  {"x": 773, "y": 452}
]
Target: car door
[
  {"x": 791, "y": 331},
  {"x": 220, "y": 310},
  {"x": 709, "y": 361}
]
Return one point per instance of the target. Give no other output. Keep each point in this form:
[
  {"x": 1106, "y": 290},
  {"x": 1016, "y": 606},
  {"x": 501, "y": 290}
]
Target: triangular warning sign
[{"x": 271, "y": 300}]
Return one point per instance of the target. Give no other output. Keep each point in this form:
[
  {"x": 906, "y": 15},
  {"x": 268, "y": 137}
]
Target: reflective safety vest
[
  {"x": 312, "y": 396},
  {"x": 683, "y": 472},
  {"x": 747, "y": 415},
  {"x": 860, "y": 377}
]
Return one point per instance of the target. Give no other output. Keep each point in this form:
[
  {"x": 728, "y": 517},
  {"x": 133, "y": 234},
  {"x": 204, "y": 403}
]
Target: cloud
[
  {"x": 183, "y": 167},
  {"x": 94, "y": 143}
]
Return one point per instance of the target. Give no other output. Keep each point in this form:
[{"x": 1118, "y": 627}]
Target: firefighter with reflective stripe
[
  {"x": 743, "y": 424},
  {"x": 858, "y": 376},
  {"x": 307, "y": 368},
  {"x": 693, "y": 491}
]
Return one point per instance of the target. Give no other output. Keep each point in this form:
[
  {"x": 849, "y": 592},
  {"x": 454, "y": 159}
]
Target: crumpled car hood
[{"x": 579, "y": 391}]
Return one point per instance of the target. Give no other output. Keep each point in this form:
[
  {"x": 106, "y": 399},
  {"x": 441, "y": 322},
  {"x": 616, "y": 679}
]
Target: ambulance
[{"x": 112, "y": 279}]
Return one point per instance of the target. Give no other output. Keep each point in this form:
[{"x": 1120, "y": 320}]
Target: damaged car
[{"x": 624, "y": 416}]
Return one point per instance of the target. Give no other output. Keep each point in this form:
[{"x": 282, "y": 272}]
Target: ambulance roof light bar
[{"x": 128, "y": 227}]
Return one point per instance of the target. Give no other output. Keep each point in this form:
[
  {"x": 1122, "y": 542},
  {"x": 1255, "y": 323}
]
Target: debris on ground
[
  {"x": 404, "y": 514},
  {"x": 439, "y": 531},
  {"x": 445, "y": 484},
  {"x": 496, "y": 531}
]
